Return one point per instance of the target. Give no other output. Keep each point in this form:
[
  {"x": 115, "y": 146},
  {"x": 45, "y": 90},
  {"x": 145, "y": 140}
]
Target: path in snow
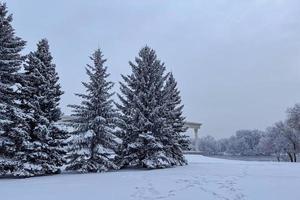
[{"x": 204, "y": 178}]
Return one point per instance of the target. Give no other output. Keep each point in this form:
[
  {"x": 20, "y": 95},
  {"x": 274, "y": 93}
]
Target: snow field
[{"x": 204, "y": 178}]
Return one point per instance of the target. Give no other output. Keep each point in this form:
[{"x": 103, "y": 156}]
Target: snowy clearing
[{"x": 204, "y": 178}]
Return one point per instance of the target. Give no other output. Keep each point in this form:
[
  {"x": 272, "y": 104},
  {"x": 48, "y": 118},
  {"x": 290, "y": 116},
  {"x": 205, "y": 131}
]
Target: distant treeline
[{"x": 281, "y": 140}]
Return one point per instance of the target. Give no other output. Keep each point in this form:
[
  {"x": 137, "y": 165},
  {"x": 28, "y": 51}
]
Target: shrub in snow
[
  {"x": 150, "y": 116},
  {"x": 93, "y": 140}
]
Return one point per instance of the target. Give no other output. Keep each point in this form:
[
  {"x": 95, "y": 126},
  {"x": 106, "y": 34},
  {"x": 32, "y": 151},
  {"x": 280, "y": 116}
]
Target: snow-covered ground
[{"x": 204, "y": 179}]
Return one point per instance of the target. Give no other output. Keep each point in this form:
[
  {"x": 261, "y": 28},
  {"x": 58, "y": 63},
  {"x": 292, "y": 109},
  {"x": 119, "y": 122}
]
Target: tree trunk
[
  {"x": 290, "y": 156},
  {"x": 295, "y": 148},
  {"x": 93, "y": 145}
]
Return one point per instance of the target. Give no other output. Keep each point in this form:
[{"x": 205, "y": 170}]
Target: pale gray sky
[{"x": 237, "y": 62}]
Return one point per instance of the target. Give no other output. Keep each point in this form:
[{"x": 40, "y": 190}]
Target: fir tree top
[
  {"x": 53, "y": 88},
  {"x": 10, "y": 57},
  {"x": 97, "y": 103},
  {"x": 144, "y": 86},
  {"x": 43, "y": 52},
  {"x": 10, "y": 44},
  {"x": 141, "y": 125}
]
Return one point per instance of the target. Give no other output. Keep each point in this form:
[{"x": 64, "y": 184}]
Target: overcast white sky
[{"x": 237, "y": 62}]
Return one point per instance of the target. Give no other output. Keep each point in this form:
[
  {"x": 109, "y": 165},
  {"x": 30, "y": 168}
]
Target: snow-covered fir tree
[
  {"x": 40, "y": 93},
  {"x": 51, "y": 103},
  {"x": 13, "y": 127},
  {"x": 147, "y": 135},
  {"x": 94, "y": 120},
  {"x": 174, "y": 113}
]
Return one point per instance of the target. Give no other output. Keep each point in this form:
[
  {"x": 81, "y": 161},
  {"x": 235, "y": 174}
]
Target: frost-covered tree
[
  {"x": 293, "y": 121},
  {"x": 50, "y": 105},
  {"x": 148, "y": 138},
  {"x": 291, "y": 139},
  {"x": 244, "y": 142},
  {"x": 174, "y": 113},
  {"x": 281, "y": 139},
  {"x": 208, "y": 145},
  {"x": 44, "y": 148},
  {"x": 94, "y": 121},
  {"x": 293, "y": 117},
  {"x": 223, "y": 144},
  {"x": 249, "y": 139},
  {"x": 13, "y": 127},
  {"x": 40, "y": 83},
  {"x": 273, "y": 143},
  {"x": 284, "y": 136}
]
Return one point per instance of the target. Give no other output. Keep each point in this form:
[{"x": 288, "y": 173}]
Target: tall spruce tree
[
  {"x": 144, "y": 128},
  {"x": 39, "y": 84},
  {"x": 174, "y": 113},
  {"x": 94, "y": 121},
  {"x": 51, "y": 102},
  {"x": 13, "y": 127}
]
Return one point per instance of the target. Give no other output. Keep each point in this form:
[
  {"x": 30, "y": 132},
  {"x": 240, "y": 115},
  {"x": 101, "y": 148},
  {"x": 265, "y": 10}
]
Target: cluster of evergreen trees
[{"x": 142, "y": 130}]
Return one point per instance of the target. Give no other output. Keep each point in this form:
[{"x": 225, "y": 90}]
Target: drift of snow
[{"x": 204, "y": 178}]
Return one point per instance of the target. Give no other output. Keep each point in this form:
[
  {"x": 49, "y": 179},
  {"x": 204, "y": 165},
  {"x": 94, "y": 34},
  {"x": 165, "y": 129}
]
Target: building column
[{"x": 196, "y": 139}]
